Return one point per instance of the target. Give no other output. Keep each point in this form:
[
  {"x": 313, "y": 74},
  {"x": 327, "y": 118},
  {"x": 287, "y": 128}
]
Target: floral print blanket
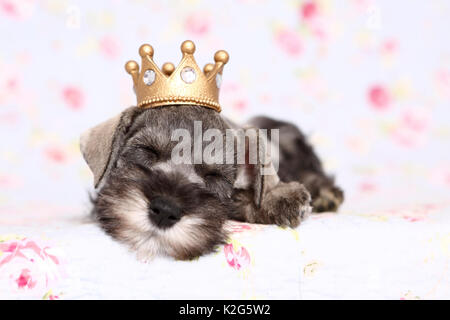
[
  {"x": 78, "y": 261},
  {"x": 401, "y": 253}
]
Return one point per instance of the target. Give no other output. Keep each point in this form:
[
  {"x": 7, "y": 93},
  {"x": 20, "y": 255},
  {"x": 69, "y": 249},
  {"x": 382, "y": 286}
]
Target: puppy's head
[{"x": 151, "y": 202}]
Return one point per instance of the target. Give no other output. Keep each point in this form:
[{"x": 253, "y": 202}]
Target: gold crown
[{"x": 186, "y": 84}]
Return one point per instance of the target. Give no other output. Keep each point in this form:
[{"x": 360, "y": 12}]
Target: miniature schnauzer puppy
[{"x": 156, "y": 206}]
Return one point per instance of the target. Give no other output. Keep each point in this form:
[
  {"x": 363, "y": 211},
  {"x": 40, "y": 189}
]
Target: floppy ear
[
  {"x": 257, "y": 174},
  {"x": 101, "y": 144}
]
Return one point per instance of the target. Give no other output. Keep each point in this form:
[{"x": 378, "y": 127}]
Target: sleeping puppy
[{"x": 159, "y": 206}]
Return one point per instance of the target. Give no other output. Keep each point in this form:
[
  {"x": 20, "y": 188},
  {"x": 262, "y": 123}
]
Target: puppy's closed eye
[
  {"x": 141, "y": 154},
  {"x": 148, "y": 150},
  {"x": 213, "y": 175}
]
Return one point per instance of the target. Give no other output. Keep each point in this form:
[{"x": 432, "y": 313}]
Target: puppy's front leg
[{"x": 286, "y": 204}]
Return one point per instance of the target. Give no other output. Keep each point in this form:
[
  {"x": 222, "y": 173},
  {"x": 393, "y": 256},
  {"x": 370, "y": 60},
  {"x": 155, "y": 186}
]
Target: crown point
[
  {"x": 221, "y": 56},
  {"x": 188, "y": 47},
  {"x": 168, "y": 68},
  {"x": 131, "y": 66},
  {"x": 146, "y": 50},
  {"x": 208, "y": 68}
]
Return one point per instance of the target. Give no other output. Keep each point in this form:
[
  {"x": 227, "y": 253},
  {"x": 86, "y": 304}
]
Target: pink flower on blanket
[
  {"x": 25, "y": 280},
  {"x": 236, "y": 259},
  {"x": 234, "y": 226},
  {"x": 27, "y": 269},
  {"x": 414, "y": 213}
]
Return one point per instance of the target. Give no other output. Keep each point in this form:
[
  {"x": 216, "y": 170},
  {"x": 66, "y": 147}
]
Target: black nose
[{"x": 164, "y": 212}]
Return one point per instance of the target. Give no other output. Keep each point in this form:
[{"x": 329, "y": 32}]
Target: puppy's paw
[
  {"x": 287, "y": 204},
  {"x": 329, "y": 199}
]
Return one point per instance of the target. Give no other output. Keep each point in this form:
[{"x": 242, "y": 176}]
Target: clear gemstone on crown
[
  {"x": 188, "y": 75},
  {"x": 149, "y": 77},
  {"x": 218, "y": 80}
]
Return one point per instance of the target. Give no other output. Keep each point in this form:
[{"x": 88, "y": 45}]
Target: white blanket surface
[{"x": 401, "y": 253}]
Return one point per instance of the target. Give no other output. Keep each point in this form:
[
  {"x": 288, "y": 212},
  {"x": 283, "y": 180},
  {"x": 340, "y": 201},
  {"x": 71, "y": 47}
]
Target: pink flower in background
[
  {"x": 10, "y": 84},
  {"x": 405, "y": 137},
  {"x": 235, "y": 96},
  {"x": 240, "y": 105},
  {"x": 389, "y": 46},
  {"x": 10, "y": 181},
  {"x": 28, "y": 268},
  {"x": 379, "y": 97},
  {"x": 310, "y": 16},
  {"x": 441, "y": 175},
  {"x": 367, "y": 186},
  {"x": 73, "y": 97},
  {"x": 411, "y": 128},
  {"x": 197, "y": 23},
  {"x": 444, "y": 77},
  {"x": 17, "y": 9},
  {"x": 55, "y": 154},
  {"x": 415, "y": 120},
  {"x": 236, "y": 259},
  {"x": 109, "y": 47},
  {"x": 308, "y": 10},
  {"x": 9, "y": 118},
  {"x": 289, "y": 41},
  {"x": 443, "y": 82}
]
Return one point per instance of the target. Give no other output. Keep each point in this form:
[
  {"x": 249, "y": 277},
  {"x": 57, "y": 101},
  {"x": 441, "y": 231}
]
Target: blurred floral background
[{"x": 368, "y": 81}]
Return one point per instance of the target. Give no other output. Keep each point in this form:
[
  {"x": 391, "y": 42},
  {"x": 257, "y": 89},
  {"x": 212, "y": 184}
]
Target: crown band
[{"x": 166, "y": 101}]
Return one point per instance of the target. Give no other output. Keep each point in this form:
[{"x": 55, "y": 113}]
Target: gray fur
[{"x": 137, "y": 173}]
